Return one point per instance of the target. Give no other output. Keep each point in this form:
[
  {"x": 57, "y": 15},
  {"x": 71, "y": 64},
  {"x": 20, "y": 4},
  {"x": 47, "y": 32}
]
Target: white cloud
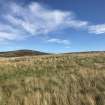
[
  {"x": 77, "y": 24},
  {"x": 35, "y": 19},
  {"x": 8, "y": 32},
  {"x": 97, "y": 29},
  {"x": 59, "y": 41}
]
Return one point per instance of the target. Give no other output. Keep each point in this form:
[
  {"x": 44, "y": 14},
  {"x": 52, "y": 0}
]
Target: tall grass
[{"x": 73, "y": 79}]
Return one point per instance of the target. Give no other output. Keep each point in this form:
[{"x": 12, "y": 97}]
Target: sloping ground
[
  {"x": 19, "y": 53},
  {"x": 72, "y": 79}
]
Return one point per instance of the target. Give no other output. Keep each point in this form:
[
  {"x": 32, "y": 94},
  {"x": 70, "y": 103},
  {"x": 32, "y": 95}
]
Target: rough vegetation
[{"x": 69, "y": 79}]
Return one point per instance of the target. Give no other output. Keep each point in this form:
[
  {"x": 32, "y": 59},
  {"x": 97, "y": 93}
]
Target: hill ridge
[{"x": 22, "y": 52}]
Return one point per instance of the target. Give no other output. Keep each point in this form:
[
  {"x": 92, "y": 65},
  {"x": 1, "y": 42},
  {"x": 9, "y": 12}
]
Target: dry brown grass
[{"x": 73, "y": 79}]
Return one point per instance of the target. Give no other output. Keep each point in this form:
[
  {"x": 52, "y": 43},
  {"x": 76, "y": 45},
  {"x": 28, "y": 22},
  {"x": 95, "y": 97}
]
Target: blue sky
[{"x": 52, "y": 25}]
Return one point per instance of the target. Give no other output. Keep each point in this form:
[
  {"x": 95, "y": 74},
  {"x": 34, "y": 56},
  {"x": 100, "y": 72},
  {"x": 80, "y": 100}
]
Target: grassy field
[{"x": 69, "y": 79}]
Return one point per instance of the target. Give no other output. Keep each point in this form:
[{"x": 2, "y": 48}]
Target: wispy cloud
[
  {"x": 35, "y": 19},
  {"x": 59, "y": 41},
  {"x": 97, "y": 29}
]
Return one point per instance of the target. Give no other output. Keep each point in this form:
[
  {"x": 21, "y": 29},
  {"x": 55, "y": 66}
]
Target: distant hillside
[
  {"x": 86, "y": 52},
  {"x": 19, "y": 53}
]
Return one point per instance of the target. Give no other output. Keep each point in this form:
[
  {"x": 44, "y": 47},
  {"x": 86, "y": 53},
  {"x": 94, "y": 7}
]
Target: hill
[{"x": 19, "y": 53}]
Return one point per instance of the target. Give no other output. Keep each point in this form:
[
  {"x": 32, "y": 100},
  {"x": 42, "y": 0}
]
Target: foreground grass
[{"x": 73, "y": 79}]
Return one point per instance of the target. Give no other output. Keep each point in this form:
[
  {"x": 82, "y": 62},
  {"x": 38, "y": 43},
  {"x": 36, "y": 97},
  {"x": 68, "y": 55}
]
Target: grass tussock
[{"x": 72, "y": 79}]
